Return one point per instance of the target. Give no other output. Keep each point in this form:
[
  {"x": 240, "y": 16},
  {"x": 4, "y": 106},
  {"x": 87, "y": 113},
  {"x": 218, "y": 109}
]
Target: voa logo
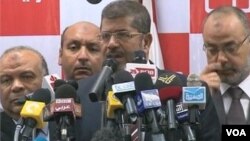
[{"x": 236, "y": 132}]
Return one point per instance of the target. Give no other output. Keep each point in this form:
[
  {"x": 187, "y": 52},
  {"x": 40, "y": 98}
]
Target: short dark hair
[
  {"x": 241, "y": 15},
  {"x": 62, "y": 36},
  {"x": 21, "y": 48},
  {"x": 125, "y": 8}
]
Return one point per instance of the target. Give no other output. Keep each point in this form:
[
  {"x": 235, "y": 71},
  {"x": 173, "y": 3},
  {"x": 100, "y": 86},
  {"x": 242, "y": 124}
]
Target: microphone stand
[
  {"x": 156, "y": 133},
  {"x": 189, "y": 132}
]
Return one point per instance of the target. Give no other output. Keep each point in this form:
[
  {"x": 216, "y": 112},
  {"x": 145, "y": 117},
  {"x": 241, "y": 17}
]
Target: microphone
[
  {"x": 183, "y": 118},
  {"x": 94, "y": 1},
  {"x": 139, "y": 65},
  {"x": 115, "y": 111},
  {"x": 48, "y": 113},
  {"x": 124, "y": 90},
  {"x": 109, "y": 66},
  {"x": 169, "y": 95},
  {"x": 65, "y": 109},
  {"x": 147, "y": 101},
  {"x": 22, "y": 99},
  {"x": 139, "y": 56},
  {"x": 113, "y": 105},
  {"x": 194, "y": 97},
  {"x": 32, "y": 112},
  {"x": 170, "y": 90},
  {"x": 58, "y": 83},
  {"x": 49, "y": 83}
]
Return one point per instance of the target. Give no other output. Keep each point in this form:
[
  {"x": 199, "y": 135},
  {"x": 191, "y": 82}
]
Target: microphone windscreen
[
  {"x": 170, "y": 79},
  {"x": 143, "y": 81},
  {"x": 66, "y": 91},
  {"x": 111, "y": 63},
  {"x": 73, "y": 83},
  {"x": 139, "y": 57},
  {"x": 58, "y": 83},
  {"x": 41, "y": 95},
  {"x": 171, "y": 92},
  {"x": 122, "y": 76}
]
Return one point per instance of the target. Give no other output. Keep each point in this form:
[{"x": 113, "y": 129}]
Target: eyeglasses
[
  {"x": 120, "y": 35},
  {"x": 228, "y": 49}
]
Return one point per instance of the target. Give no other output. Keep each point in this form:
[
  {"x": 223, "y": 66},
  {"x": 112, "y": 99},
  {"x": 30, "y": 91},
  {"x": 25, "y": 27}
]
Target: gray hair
[
  {"x": 21, "y": 48},
  {"x": 125, "y": 8}
]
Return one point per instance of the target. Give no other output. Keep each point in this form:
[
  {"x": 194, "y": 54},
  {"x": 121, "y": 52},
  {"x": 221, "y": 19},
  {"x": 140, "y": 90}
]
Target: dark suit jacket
[
  {"x": 91, "y": 111},
  {"x": 8, "y": 128},
  {"x": 218, "y": 101}
]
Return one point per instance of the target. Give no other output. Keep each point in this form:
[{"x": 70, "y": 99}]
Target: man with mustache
[
  {"x": 226, "y": 44},
  {"x": 81, "y": 54},
  {"x": 125, "y": 28},
  {"x": 21, "y": 72}
]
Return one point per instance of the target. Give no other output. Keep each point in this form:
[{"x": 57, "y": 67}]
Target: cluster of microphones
[
  {"x": 140, "y": 102},
  {"x": 157, "y": 105},
  {"x": 56, "y": 102}
]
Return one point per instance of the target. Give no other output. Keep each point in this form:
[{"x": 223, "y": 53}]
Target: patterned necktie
[{"x": 236, "y": 113}]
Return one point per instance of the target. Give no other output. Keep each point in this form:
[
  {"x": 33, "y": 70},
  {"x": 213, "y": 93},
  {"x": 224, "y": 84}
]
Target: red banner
[{"x": 29, "y": 17}]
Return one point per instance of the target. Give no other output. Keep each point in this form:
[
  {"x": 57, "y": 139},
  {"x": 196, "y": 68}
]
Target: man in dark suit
[
  {"x": 21, "y": 72},
  {"x": 227, "y": 46},
  {"x": 81, "y": 55},
  {"x": 125, "y": 28}
]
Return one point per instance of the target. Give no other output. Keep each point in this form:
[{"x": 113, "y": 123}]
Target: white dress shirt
[{"x": 227, "y": 100}]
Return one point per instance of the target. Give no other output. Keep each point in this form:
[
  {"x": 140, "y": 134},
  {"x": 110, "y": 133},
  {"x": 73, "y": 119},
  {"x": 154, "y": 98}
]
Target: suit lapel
[
  {"x": 219, "y": 106},
  {"x": 7, "y": 127}
]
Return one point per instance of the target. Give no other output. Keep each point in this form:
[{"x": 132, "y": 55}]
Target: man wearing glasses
[
  {"x": 226, "y": 44},
  {"x": 125, "y": 28}
]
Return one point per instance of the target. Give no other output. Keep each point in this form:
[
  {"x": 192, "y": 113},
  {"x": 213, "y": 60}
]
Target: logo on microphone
[
  {"x": 150, "y": 71},
  {"x": 123, "y": 87},
  {"x": 64, "y": 105},
  {"x": 30, "y": 107},
  {"x": 167, "y": 79},
  {"x": 194, "y": 95}
]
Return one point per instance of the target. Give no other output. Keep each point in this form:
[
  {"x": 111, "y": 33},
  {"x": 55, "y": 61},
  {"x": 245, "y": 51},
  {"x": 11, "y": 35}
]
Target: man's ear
[
  {"x": 60, "y": 56},
  {"x": 147, "y": 43}
]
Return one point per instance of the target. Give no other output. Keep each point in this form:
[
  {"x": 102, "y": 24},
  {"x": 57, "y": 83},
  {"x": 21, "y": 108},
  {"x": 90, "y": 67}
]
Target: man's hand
[{"x": 210, "y": 75}]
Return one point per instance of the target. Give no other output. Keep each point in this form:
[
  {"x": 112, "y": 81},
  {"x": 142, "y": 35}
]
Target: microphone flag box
[
  {"x": 113, "y": 103},
  {"x": 181, "y": 112},
  {"x": 195, "y": 95},
  {"x": 123, "y": 87},
  {"x": 135, "y": 68},
  {"x": 64, "y": 105},
  {"x": 34, "y": 109},
  {"x": 147, "y": 99}
]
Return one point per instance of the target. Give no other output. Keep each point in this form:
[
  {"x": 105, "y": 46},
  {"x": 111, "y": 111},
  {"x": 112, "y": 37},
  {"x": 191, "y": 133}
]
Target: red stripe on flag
[
  {"x": 29, "y": 18},
  {"x": 198, "y": 12},
  {"x": 175, "y": 51}
]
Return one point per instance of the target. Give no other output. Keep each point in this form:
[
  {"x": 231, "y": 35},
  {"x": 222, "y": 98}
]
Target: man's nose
[{"x": 17, "y": 85}]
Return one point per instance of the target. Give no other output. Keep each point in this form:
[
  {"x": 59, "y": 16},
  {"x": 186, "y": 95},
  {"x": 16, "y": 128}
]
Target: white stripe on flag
[{"x": 155, "y": 54}]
